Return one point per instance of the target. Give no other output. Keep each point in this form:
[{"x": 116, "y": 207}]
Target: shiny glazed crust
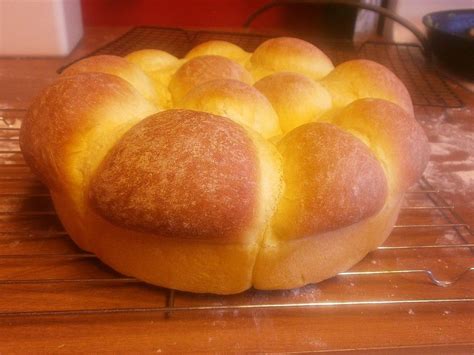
[{"x": 271, "y": 186}]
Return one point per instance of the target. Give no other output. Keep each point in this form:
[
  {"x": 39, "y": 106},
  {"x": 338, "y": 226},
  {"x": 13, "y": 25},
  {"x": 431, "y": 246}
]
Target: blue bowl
[{"x": 451, "y": 38}]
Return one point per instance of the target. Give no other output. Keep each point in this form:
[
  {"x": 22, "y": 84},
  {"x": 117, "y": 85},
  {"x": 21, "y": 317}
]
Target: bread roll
[
  {"x": 160, "y": 66},
  {"x": 118, "y": 66},
  {"x": 393, "y": 135},
  {"x": 202, "y": 69},
  {"x": 150, "y": 60},
  {"x": 296, "y": 98},
  {"x": 221, "y": 48},
  {"x": 313, "y": 236},
  {"x": 332, "y": 180},
  {"x": 208, "y": 196},
  {"x": 359, "y": 79},
  {"x": 69, "y": 129},
  {"x": 289, "y": 54},
  {"x": 236, "y": 100}
]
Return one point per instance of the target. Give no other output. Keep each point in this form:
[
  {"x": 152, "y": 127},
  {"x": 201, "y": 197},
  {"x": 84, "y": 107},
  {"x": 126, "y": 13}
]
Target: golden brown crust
[
  {"x": 395, "y": 137},
  {"x": 283, "y": 264},
  {"x": 159, "y": 66},
  {"x": 74, "y": 121},
  {"x": 202, "y": 69},
  {"x": 332, "y": 181},
  {"x": 289, "y": 54},
  {"x": 150, "y": 60},
  {"x": 196, "y": 265},
  {"x": 296, "y": 98},
  {"x": 181, "y": 174},
  {"x": 221, "y": 48},
  {"x": 122, "y": 68},
  {"x": 196, "y": 202},
  {"x": 361, "y": 78},
  {"x": 236, "y": 100}
]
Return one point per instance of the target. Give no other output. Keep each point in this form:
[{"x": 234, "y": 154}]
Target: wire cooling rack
[
  {"x": 426, "y": 86},
  {"x": 427, "y": 260}
]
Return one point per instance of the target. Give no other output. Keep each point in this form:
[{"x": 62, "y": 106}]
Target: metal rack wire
[
  {"x": 426, "y": 86},
  {"x": 22, "y": 196}
]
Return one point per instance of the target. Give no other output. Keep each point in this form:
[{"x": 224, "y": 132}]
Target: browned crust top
[
  {"x": 182, "y": 174},
  {"x": 362, "y": 78},
  {"x": 200, "y": 70},
  {"x": 67, "y": 110},
  {"x": 396, "y": 136},
  {"x": 292, "y": 54},
  {"x": 332, "y": 181}
]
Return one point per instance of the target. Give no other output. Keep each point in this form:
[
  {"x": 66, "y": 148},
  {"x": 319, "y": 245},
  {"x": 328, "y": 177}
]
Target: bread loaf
[{"x": 184, "y": 174}]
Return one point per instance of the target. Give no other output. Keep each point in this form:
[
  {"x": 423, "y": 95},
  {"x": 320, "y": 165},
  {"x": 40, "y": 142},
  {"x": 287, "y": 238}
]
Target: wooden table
[{"x": 400, "y": 327}]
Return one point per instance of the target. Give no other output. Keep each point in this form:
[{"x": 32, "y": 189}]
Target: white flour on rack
[{"x": 451, "y": 166}]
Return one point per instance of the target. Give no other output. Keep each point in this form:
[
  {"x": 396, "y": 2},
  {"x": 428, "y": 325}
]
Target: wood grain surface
[{"x": 29, "y": 226}]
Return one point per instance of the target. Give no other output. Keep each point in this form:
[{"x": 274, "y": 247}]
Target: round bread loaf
[{"x": 209, "y": 195}]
